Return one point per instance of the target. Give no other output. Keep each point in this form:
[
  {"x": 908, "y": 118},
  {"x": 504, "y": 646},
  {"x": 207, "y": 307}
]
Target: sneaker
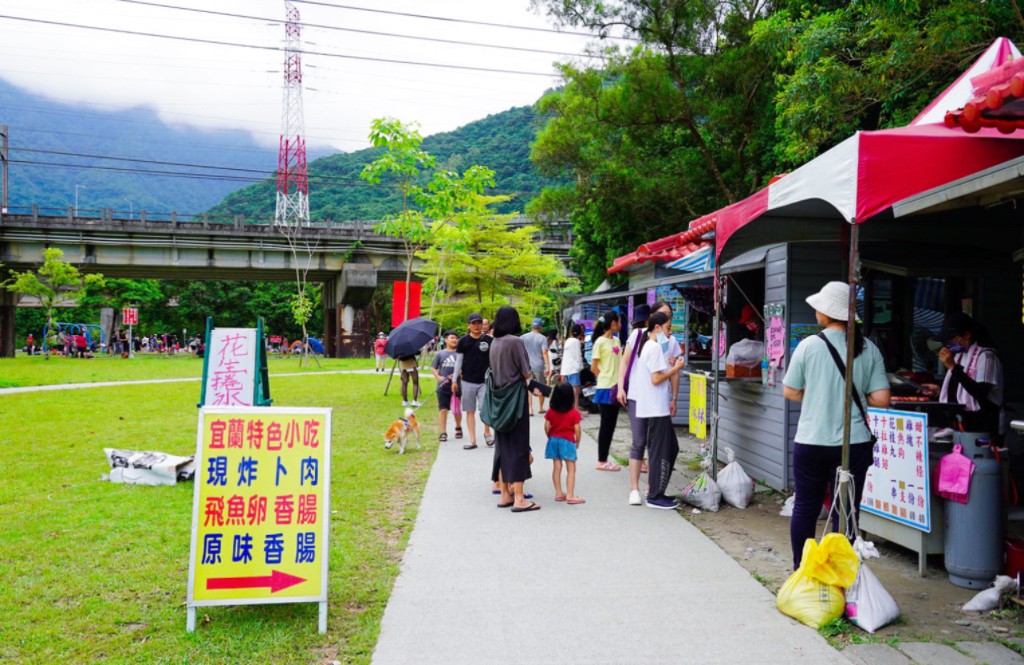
[
  {"x": 634, "y": 498},
  {"x": 405, "y": 404},
  {"x": 662, "y": 502},
  {"x": 416, "y": 404}
]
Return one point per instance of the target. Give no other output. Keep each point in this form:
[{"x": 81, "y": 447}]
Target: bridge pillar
[
  {"x": 353, "y": 291},
  {"x": 8, "y": 307}
]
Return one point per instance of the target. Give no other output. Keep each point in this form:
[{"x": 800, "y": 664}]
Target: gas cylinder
[{"x": 974, "y": 530}]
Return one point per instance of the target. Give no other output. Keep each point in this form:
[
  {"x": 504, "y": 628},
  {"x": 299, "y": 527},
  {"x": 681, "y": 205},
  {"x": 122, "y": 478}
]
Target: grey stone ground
[{"x": 604, "y": 582}]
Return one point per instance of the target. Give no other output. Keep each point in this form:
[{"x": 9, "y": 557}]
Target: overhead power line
[
  {"x": 376, "y": 33},
  {"x": 215, "y": 42},
  {"x": 185, "y": 174},
  {"x": 451, "y": 20},
  {"x": 157, "y": 162}
]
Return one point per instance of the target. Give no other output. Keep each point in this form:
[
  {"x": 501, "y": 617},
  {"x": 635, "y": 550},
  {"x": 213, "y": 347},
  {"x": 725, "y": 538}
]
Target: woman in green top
[
  {"x": 605, "y": 366},
  {"x": 816, "y": 381}
]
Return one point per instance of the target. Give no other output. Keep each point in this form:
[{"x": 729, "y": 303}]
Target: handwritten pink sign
[
  {"x": 231, "y": 375},
  {"x": 775, "y": 340}
]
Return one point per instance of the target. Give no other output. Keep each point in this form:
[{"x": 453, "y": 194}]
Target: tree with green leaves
[
  {"x": 657, "y": 135},
  {"x": 496, "y": 265},
  {"x": 845, "y": 67},
  {"x": 428, "y": 214},
  {"x": 55, "y": 283}
]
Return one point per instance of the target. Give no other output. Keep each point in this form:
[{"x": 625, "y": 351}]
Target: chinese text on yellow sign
[
  {"x": 260, "y": 512},
  {"x": 698, "y": 405}
]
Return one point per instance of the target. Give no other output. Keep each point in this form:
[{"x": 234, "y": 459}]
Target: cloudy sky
[{"x": 237, "y": 83}]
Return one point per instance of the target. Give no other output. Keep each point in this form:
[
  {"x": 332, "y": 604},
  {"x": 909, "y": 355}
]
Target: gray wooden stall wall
[{"x": 752, "y": 418}]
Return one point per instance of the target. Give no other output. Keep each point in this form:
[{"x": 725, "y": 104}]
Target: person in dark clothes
[{"x": 511, "y": 364}]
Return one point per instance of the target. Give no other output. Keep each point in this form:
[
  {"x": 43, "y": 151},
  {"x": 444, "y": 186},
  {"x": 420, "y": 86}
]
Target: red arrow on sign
[{"x": 276, "y": 580}]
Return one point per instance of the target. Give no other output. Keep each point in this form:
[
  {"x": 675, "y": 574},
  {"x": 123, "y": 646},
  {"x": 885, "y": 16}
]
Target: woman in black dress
[{"x": 509, "y": 364}]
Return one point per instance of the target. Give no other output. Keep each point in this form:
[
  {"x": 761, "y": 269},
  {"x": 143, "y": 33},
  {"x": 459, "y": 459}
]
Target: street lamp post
[{"x": 77, "y": 187}]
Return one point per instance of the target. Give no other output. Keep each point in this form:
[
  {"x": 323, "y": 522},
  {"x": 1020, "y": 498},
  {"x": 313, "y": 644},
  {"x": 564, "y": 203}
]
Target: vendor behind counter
[{"x": 974, "y": 375}]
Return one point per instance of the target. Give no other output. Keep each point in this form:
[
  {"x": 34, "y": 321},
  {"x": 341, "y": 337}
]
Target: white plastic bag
[
  {"x": 745, "y": 353},
  {"x": 868, "y": 604},
  {"x": 787, "y": 507},
  {"x": 736, "y": 486},
  {"x": 988, "y": 599},
  {"x": 703, "y": 493}
]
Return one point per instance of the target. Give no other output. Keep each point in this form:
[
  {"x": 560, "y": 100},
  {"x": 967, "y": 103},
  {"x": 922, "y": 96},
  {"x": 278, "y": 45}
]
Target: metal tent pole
[
  {"x": 852, "y": 232},
  {"x": 716, "y": 355}
]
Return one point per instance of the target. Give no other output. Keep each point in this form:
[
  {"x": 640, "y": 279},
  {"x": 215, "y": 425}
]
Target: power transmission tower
[{"x": 292, "y": 176}]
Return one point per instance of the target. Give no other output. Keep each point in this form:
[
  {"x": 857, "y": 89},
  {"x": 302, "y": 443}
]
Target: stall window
[{"x": 744, "y": 306}]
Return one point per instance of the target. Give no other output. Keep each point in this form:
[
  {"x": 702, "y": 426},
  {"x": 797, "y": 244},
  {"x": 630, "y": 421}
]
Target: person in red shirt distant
[
  {"x": 562, "y": 425},
  {"x": 378, "y": 350},
  {"x": 81, "y": 345}
]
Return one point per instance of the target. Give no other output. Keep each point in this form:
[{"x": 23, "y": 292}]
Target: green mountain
[{"x": 500, "y": 142}]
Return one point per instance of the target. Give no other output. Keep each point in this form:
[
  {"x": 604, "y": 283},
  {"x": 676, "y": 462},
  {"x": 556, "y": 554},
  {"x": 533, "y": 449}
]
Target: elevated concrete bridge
[{"x": 348, "y": 258}]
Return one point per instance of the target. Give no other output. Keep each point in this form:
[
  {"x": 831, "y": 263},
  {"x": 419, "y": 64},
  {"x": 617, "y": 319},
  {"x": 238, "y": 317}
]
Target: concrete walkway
[{"x": 603, "y": 582}]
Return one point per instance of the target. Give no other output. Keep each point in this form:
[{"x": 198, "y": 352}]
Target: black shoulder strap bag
[{"x": 856, "y": 393}]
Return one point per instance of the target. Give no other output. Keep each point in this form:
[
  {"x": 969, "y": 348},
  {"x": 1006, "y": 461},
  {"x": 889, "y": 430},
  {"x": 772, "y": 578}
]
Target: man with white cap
[
  {"x": 540, "y": 363},
  {"x": 816, "y": 379}
]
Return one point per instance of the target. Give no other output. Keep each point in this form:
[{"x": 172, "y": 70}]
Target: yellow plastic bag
[
  {"x": 832, "y": 562},
  {"x": 813, "y": 594}
]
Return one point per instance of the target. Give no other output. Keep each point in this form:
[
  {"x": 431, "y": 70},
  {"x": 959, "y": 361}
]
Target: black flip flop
[
  {"x": 527, "y": 509},
  {"x": 469, "y": 446},
  {"x": 507, "y": 505}
]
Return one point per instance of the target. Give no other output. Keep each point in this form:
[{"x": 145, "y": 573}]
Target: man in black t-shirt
[{"x": 472, "y": 359}]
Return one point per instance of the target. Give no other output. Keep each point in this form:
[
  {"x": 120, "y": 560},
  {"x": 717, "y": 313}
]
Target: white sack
[
  {"x": 736, "y": 486},
  {"x": 703, "y": 493},
  {"x": 787, "y": 507},
  {"x": 868, "y": 604},
  {"x": 988, "y": 599}
]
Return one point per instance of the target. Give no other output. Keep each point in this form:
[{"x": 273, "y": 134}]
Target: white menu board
[{"x": 897, "y": 484}]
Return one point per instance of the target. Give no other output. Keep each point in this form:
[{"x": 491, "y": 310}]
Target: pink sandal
[{"x": 575, "y": 501}]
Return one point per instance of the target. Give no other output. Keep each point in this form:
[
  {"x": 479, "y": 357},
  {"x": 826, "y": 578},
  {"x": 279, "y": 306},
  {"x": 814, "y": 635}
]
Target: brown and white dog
[{"x": 399, "y": 432}]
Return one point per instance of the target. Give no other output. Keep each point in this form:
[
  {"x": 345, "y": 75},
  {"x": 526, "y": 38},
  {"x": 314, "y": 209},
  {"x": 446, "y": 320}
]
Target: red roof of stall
[{"x": 669, "y": 248}]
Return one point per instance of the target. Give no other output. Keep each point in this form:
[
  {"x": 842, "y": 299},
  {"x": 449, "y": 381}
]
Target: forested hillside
[{"x": 500, "y": 142}]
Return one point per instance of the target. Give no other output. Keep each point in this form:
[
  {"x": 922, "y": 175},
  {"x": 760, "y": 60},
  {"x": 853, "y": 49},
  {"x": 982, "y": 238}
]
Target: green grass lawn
[
  {"x": 96, "y": 571},
  {"x": 37, "y": 371}
]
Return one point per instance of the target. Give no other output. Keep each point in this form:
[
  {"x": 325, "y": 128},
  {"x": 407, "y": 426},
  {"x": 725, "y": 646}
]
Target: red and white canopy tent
[{"x": 865, "y": 176}]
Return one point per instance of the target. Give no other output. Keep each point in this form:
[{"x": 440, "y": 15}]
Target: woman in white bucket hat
[{"x": 816, "y": 379}]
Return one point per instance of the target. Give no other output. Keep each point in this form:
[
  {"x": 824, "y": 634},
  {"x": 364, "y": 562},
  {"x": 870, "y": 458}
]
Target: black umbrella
[{"x": 410, "y": 337}]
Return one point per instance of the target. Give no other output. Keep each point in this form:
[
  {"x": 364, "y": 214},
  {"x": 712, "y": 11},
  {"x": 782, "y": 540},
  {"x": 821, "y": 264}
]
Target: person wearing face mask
[
  {"x": 974, "y": 375},
  {"x": 650, "y": 388}
]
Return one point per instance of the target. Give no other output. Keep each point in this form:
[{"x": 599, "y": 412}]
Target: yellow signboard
[
  {"x": 698, "y": 405},
  {"x": 260, "y": 510}
]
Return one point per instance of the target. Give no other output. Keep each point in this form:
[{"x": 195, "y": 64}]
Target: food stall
[{"x": 915, "y": 253}]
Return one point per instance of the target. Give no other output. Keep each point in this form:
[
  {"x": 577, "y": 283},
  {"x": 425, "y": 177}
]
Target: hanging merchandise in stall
[{"x": 897, "y": 483}]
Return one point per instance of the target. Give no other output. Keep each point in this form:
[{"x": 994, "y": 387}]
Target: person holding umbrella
[
  {"x": 404, "y": 345},
  {"x": 816, "y": 379}
]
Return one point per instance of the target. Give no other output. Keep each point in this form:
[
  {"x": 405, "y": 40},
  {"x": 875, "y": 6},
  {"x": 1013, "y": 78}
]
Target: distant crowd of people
[{"x": 76, "y": 344}]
